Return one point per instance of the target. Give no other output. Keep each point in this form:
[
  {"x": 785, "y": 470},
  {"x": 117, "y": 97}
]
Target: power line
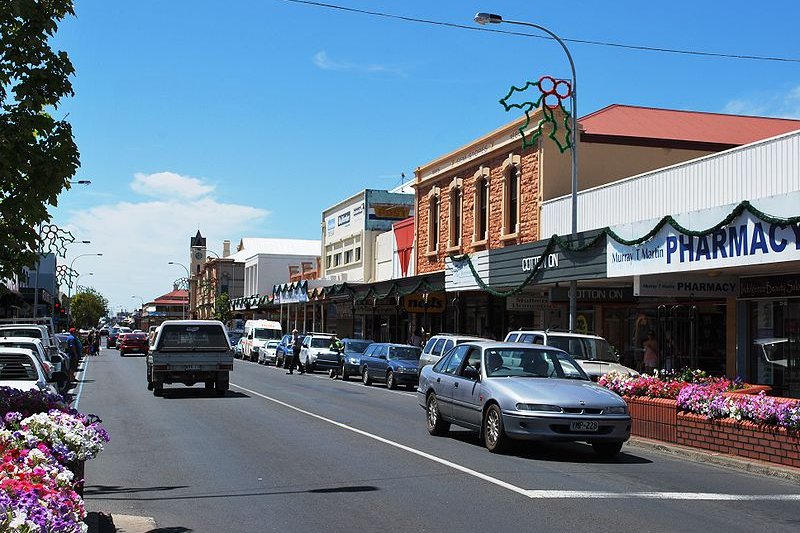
[{"x": 523, "y": 34}]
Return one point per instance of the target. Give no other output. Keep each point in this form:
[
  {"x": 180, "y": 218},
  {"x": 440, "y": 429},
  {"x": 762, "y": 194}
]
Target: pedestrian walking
[
  {"x": 416, "y": 338},
  {"x": 650, "y": 353},
  {"x": 90, "y": 341},
  {"x": 336, "y": 346},
  {"x": 96, "y": 344},
  {"x": 297, "y": 344},
  {"x": 75, "y": 349}
]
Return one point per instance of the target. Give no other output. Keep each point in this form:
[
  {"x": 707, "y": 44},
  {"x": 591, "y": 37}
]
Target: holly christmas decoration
[{"x": 550, "y": 94}]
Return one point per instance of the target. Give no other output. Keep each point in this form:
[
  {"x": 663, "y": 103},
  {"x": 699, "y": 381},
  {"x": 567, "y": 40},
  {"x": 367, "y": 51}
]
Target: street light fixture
[
  {"x": 69, "y": 288},
  {"x": 491, "y": 18},
  {"x": 188, "y": 277}
]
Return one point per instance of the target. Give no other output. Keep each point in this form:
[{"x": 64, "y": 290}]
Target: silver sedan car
[{"x": 511, "y": 391}]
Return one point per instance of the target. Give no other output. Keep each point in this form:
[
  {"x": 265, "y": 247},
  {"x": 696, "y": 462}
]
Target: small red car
[{"x": 132, "y": 342}]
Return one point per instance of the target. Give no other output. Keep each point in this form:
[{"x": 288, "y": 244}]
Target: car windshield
[
  {"x": 527, "y": 362},
  {"x": 193, "y": 336},
  {"x": 135, "y": 336},
  {"x": 17, "y": 367},
  {"x": 324, "y": 342},
  {"x": 264, "y": 333},
  {"x": 357, "y": 346},
  {"x": 273, "y": 344},
  {"x": 33, "y": 333},
  {"x": 408, "y": 353},
  {"x": 587, "y": 348}
]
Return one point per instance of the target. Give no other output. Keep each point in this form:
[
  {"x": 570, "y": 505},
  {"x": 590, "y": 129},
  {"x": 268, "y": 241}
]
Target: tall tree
[
  {"x": 87, "y": 308},
  {"x": 223, "y": 308},
  {"x": 38, "y": 155}
]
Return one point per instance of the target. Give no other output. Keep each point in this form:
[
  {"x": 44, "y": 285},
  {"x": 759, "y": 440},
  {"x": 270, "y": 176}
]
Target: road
[{"x": 306, "y": 453}]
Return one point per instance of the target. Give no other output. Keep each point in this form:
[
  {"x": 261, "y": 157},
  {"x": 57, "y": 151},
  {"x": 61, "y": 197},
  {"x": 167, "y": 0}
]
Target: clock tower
[{"x": 197, "y": 253}]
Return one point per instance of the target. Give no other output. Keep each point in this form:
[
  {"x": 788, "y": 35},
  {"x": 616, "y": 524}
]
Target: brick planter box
[
  {"x": 744, "y": 439},
  {"x": 653, "y": 418}
]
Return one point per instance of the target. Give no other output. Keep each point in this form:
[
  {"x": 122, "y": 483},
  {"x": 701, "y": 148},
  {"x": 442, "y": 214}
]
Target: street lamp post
[
  {"x": 188, "y": 277},
  {"x": 69, "y": 287},
  {"x": 490, "y": 18}
]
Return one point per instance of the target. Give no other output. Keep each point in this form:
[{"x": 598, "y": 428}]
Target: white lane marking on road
[
  {"x": 705, "y": 496},
  {"x": 538, "y": 494},
  {"x": 325, "y": 376},
  {"x": 82, "y": 379},
  {"x": 403, "y": 447}
]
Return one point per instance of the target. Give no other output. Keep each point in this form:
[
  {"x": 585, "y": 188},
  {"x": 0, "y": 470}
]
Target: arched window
[
  {"x": 456, "y": 201},
  {"x": 480, "y": 234},
  {"x": 511, "y": 194},
  {"x": 433, "y": 220}
]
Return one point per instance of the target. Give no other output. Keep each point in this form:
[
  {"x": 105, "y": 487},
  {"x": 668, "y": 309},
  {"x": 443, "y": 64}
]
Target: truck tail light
[{"x": 226, "y": 367}]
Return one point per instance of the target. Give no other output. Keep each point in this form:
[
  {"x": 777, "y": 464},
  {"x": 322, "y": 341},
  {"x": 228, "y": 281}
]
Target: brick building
[{"x": 486, "y": 197}]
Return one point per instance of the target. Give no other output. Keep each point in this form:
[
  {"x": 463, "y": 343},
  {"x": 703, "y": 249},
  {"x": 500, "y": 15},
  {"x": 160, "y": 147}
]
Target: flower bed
[
  {"x": 40, "y": 439},
  {"x": 712, "y": 414}
]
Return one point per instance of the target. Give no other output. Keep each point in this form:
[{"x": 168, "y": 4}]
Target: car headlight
[
  {"x": 353, "y": 360},
  {"x": 617, "y": 410},
  {"x": 538, "y": 407}
]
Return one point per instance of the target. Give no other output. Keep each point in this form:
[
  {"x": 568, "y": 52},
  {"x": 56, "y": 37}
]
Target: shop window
[
  {"x": 456, "y": 198},
  {"x": 433, "y": 220},
  {"x": 511, "y": 194},
  {"x": 348, "y": 257},
  {"x": 358, "y": 253}
]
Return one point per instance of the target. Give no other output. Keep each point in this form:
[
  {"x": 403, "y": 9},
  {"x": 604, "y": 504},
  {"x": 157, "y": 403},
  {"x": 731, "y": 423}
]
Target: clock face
[{"x": 198, "y": 255}]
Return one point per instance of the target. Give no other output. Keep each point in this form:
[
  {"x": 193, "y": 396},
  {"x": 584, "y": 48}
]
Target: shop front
[{"x": 772, "y": 307}]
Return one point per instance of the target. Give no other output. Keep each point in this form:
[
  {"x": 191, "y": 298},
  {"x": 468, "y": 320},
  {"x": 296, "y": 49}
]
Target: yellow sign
[{"x": 416, "y": 303}]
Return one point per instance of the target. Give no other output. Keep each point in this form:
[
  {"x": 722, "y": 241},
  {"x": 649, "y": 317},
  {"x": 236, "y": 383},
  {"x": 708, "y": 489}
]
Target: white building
[
  {"x": 350, "y": 229},
  {"x": 267, "y": 261}
]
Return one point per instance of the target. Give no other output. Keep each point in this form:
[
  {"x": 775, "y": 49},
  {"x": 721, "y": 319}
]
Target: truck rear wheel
[
  {"x": 221, "y": 385},
  {"x": 158, "y": 388}
]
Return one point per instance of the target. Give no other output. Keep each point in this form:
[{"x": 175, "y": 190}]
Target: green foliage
[
  {"x": 38, "y": 155},
  {"x": 87, "y": 308},
  {"x": 223, "y": 308}
]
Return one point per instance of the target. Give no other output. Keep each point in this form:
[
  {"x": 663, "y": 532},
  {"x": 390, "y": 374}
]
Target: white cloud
[
  {"x": 169, "y": 185},
  {"x": 783, "y": 105},
  {"x": 322, "y": 61},
  {"x": 138, "y": 239}
]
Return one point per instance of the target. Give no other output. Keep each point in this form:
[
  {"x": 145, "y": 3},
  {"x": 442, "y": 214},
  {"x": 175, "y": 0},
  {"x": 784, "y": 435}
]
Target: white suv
[
  {"x": 593, "y": 353},
  {"x": 440, "y": 344},
  {"x": 316, "y": 354}
]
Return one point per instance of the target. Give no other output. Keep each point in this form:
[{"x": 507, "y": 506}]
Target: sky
[{"x": 247, "y": 118}]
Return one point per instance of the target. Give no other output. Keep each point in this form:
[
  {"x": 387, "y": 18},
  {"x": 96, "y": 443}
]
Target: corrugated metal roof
[
  {"x": 176, "y": 296},
  {"x": 670, "y": 124}
]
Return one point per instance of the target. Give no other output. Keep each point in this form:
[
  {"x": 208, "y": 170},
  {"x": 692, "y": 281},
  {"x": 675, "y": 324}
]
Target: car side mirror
[
  {"x": 470, "y": 372},
  {"x": 381, "y": 357}
]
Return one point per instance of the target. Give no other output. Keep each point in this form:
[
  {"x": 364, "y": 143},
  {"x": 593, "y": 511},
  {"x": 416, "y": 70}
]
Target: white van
[{"x": 256, "y": 335}]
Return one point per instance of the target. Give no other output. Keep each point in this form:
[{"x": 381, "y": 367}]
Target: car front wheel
[
  {"x": 494, "y": 434},
  {"x": 433, "y": 418},
  {"x": 365, "y": 379},
  {"x": 345, "y": 375},
  {"x": 391, "y": 384}
]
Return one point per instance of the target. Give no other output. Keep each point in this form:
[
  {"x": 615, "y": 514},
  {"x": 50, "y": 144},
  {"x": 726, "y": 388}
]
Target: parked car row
[{"x": 31, "y": 358}]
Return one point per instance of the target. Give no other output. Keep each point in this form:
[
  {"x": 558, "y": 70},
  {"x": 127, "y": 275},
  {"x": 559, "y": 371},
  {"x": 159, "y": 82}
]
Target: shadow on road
[
  {"x": 563, "y": 452},
  {"x": 180, "y": 392},
  {"x": 212, "y": 495},
  {"x": 94, "y": 490}
]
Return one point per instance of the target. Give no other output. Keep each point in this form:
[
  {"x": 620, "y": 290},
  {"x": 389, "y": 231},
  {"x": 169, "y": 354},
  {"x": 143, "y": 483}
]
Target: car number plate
[
  {"x": 583, "y": 425},
  {"x": 192, "y": 367}
]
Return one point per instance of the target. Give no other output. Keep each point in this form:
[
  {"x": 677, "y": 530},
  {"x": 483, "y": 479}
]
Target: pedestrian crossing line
[{"x": 535, "y": 494}]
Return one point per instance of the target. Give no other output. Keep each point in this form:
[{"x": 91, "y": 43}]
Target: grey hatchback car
[{"x": 511, "y": 391}]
